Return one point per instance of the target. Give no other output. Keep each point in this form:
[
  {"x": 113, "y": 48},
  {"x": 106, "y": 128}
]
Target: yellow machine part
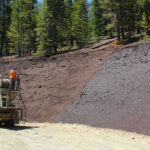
[{"x": 5, "y": 116}]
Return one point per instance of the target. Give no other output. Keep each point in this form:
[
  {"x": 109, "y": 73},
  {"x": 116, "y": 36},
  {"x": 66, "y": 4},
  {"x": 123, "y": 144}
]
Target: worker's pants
[{"x": 12, "y": 84}]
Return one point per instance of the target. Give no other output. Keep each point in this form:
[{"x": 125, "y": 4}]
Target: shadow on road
[{"x": 18, "y": 128}]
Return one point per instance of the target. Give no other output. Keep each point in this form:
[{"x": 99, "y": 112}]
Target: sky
[{"x": 42, "y": 0}]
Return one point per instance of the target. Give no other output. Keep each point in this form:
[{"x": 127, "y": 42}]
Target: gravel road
[{"x": 69, "y": 137}]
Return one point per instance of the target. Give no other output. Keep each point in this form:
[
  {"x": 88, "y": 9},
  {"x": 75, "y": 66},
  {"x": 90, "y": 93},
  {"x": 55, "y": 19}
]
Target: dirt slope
[
  {"x": 67, "y": 137},
  {"x": 118, "y": 96},
  {"x": 49, "y": 84}
]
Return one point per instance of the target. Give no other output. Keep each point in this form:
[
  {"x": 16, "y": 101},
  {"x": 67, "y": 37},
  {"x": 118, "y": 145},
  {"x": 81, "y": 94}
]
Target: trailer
[{"x": 12, "y": 107}]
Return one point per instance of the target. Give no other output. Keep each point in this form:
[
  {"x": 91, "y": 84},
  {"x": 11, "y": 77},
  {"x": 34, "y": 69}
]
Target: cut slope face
[
  {"x": 49, "y": 84},
  {"x": 118, "y": 96}
]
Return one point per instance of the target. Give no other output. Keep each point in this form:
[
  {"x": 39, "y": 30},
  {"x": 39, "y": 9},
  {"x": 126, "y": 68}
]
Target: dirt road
[{"x": 69, "y": 137}]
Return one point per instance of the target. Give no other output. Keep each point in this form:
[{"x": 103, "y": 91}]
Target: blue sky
[{"x": 42, "y": 0}]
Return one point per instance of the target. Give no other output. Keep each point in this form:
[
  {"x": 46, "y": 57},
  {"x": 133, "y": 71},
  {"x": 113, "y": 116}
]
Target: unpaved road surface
[
  {"x": 69, "y": 137},
  {"x": 118, "y": 96}
]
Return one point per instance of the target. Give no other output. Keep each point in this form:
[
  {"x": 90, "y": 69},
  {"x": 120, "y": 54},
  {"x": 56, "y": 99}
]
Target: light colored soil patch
[{"x": 69, "y": 137}]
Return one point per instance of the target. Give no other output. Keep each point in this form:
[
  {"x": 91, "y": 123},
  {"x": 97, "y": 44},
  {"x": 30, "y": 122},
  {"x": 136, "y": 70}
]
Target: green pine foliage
[
  {"x": 68, "y": 22},
  {"x": 97, "y": 18},
  {"x": 30, "y": 23},
  {"x": 15, "y": 29},
  {"x": 21, "y": 32},
  {"x": 5, "y": 11},
  {"x": 50, "y": 26},
  {"x": 80, "y": 21},
  {"x": 146, "y": 16},
  {"x": 27, "y": 26},
  {"x": 123, "y": 17}
]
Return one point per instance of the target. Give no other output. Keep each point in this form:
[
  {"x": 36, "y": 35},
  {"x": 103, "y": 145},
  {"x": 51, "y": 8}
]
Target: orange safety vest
[{"x": 13, "y": 74}]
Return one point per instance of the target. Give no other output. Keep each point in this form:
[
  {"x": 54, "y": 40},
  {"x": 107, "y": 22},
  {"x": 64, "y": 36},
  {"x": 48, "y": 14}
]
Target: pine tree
[
  {"x": 146, "y": 16},
  {"x": 144, "y": 23},
  {"x": 22, "y": 28},
  {"x": 128, "y": 21},
  {"x": 50, "y": 26},
  {"x": 138, "y": 15},
  {"x": 5, "y": 11},
  {"x": 80, "y": 21},
  {"x": 122, "y": 16},
  {"x": 98, "y": 20},
  {"x": 15, "y": 30},
  {"x": 110, "y": 19},
  {"x": 30, "y": 25},
  {"x": 68, "y": 21}
]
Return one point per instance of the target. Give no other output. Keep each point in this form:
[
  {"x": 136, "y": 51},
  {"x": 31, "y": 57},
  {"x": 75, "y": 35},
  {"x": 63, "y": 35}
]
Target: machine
[{"x": 12, "y": 108}]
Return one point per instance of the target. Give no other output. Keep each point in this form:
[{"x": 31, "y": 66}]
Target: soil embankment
[
  {"x": 118, "y": 96},
  {"x": 49, "y": 84}
]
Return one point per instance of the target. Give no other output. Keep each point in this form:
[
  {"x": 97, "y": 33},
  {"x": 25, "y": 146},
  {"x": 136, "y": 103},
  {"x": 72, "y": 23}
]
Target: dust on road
[{"x": 69, "y": 137}]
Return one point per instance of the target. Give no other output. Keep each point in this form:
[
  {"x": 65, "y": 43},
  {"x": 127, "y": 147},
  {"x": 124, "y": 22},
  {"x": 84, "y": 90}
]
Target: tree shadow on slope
[{"x": 133, "y": 39}]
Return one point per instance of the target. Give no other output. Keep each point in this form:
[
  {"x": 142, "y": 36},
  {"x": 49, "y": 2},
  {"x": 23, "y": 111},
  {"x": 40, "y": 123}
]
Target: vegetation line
[{"x": 29, "y": 27}]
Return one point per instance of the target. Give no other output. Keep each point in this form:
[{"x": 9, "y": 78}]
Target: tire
[{"x": 9, "y": 123}]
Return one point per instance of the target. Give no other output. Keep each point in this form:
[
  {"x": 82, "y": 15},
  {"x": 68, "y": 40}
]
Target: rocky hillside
[{"x": 118, "y": 96}]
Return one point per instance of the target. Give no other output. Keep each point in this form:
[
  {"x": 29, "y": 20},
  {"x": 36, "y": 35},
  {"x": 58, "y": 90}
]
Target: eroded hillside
[{"x": 49, "y": 84}]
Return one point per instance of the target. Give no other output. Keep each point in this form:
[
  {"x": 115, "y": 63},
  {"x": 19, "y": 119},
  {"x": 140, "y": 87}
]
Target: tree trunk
[
  {"x": 55, "y": 39},
  {"x": 55, "y": 48},
  {"x": 71, "y": 41},
  {"x": 1, "y": 49},
  {"x": 118, "y": 31},
  {"x": 6, "y": 48},
  {"x": 118, "y": 22},
  {"x": 138, "y": 30},
  {"x": 122, "y": 33},
  {"x": 110, "y": 31}
]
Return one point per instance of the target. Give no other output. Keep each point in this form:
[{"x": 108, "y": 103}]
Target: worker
[{"x": 13, "y": 76}]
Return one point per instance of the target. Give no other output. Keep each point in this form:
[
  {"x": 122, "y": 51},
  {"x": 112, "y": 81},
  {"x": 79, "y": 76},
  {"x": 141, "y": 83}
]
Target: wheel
[{"x": 9, "y": 123}]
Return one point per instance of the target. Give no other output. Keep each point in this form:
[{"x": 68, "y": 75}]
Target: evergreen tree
[
  {"x": 16, "y": 30},
  {"x": 98, "y": 20},
  {"x": 68, "y": 21},
  {"x": 22, "y": 28},
  {"x": 50, "y": 26},
  {"x": 5, "y": 11},
  {"x": 128, "y": 21},
  {"x": 146, "y": 16},
  {"x": 30, "y": 25},
  {"x": 110, "y": 19},
  {"x": 138, "y": 14},
  {"x": 25, "y": 26},
  {"x": 80, "y": 21},
  {"x": 123, "y": 14}
]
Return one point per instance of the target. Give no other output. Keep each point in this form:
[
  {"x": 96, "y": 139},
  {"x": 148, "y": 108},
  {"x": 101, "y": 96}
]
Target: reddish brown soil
[{"x": 49, "y": 84}]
